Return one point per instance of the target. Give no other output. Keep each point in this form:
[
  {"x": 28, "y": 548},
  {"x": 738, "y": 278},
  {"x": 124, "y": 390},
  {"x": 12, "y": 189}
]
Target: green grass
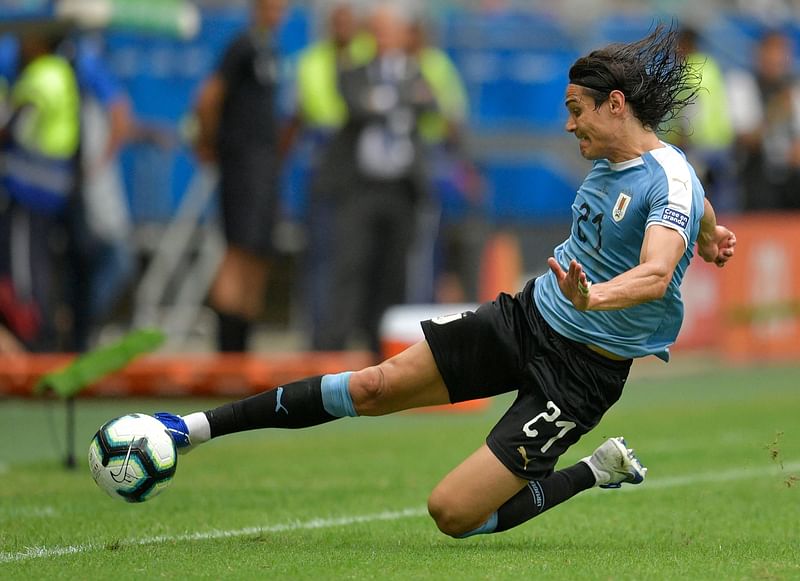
[{"x": 264, "y": 505}]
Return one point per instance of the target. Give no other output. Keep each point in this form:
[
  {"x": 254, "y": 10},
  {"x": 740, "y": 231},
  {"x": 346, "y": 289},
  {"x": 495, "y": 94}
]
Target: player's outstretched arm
[
  {"x": 715, "y": 243},
  {"x": 662, "y": 248}
]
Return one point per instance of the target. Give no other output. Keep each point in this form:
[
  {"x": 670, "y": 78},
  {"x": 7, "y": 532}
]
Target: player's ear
[{"x": 616, "y": 101}]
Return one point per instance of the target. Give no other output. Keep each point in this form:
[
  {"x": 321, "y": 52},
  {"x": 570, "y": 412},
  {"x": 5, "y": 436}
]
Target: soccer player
[
  {"x": 567, "y": 341},
  {"x": 238, "y": 131}
]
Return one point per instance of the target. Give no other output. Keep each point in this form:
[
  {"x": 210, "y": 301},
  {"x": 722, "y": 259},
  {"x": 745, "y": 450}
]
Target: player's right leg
[
  {"x": 409, "y": 379},
  {"x": 483, "y": 496}
]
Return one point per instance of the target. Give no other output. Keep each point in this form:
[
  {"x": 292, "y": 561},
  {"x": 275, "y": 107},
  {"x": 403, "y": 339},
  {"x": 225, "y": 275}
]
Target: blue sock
[
  {"x": 486, "y": 528},
  {"x": 336, "y": 396}
]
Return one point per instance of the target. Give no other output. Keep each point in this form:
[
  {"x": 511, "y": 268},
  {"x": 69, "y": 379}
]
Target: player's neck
[{"x": 632, "y": 144}]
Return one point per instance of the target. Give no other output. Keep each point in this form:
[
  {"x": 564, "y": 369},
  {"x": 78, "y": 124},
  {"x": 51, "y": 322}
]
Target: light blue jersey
[{"x": 615, "y": 204}]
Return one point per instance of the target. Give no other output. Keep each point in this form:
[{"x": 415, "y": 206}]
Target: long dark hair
[{"x": 652, "y": 74}]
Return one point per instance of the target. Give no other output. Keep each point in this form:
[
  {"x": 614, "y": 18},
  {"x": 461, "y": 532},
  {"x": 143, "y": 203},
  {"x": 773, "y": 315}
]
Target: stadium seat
[{"x": 535, "y": 188}]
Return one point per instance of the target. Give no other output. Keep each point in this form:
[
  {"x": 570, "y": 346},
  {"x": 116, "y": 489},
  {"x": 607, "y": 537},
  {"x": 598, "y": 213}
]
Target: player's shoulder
[
  {"x": 671, "y": 160},
  {"x": 672, "y": 175}
]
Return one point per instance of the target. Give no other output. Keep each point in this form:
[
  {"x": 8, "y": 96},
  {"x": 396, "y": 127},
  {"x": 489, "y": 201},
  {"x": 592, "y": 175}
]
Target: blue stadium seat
[
  {"x": 511, "y": 29},
  {"x": 537, "y": 188},
  {"x": 515, "y": 88},
  {"x": 623, "y": 27}
]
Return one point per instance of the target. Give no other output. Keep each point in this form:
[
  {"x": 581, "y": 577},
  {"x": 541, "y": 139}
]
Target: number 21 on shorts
[{"x": 551, "y": 417}]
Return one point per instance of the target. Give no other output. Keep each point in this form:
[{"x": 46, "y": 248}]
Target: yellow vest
[
  {"x": 440, "y": 73},
  {"x": 52, "y": 125},
  {"x": 321, "y": 105},
  {"x": 706, "y": 123}
]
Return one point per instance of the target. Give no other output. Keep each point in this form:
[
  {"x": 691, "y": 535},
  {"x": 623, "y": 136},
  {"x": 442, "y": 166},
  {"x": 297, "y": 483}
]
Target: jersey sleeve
[{"x": 671, "y": 202}]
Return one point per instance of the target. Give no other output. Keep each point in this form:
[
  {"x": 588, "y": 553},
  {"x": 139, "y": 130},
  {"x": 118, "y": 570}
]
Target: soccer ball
[{"x": 133, "y": 457}]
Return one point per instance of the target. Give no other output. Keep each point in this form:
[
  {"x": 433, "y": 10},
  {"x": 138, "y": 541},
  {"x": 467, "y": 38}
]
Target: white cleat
[{"x": 613, "y": 464}]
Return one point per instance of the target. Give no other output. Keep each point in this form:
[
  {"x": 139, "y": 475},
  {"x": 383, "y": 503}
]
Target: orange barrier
[
  {"x": 501, "y": 266},
  {"x": 200, "y": 375},
  {"x": 702, "y": 319},
  {"x": 187, "y": 374},
  {"x": 760, "y": 289}
]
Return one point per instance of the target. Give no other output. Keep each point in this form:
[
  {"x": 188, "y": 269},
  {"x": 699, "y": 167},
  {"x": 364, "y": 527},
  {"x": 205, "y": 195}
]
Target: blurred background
[{"x": 112, "y": 113}]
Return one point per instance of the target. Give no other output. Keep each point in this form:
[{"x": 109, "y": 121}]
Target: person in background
[
  {"x": 435, "y": 271},
  {"x": 101, "y": 229},
  {"x": 765, "y": 109},
  {"x": 98, "y": 222},
  {"x": 377, "y": 172},
  {"x": 238, "y": 131},
  {"x": 704, "y": 129},
  {"x": 320, "y": 113},
  {"x": 39, "y": 143}
]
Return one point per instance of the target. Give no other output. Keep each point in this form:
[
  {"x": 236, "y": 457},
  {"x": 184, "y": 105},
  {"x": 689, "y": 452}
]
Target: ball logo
[{"x": 122, "y": 474}]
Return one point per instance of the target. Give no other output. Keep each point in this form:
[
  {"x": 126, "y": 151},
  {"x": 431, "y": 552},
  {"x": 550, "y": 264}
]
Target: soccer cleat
[
  {"x": 176, "y": 428},
  {"x": 613, "y": 464}
]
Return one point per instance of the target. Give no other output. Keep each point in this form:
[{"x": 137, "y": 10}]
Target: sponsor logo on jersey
[
  {"x": 675, "y": 217},
  {"x": 623, "y": 201}
]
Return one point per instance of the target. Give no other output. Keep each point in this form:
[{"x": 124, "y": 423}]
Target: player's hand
[
  {"x": 718, "y": 247},
  {"x": 573, "y": 283}
]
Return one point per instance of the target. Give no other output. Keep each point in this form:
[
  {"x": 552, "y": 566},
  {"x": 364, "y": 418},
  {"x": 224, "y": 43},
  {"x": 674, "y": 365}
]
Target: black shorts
[
  {"x": 564, "y": 388},
  {"x": 249, "y": 198}
]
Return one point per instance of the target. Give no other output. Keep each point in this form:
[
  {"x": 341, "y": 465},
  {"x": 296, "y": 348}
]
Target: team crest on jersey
[{"x": 621, "y": 207}]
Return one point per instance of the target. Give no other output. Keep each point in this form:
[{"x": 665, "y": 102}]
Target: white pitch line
[
  {"x": 713, "y": 477},
  {"x": 28, "y": 512},
  {"x": 323, "y": 523},
  {"x": 317, "y": 523}
]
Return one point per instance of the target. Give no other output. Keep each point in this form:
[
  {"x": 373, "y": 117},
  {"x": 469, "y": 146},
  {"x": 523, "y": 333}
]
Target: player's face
[{"x": 590, "y": 124}]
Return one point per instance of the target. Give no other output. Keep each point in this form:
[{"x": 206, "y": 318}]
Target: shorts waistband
[
  {"x": 581, "y": 348},
  {"x": 593, "y": 356}
]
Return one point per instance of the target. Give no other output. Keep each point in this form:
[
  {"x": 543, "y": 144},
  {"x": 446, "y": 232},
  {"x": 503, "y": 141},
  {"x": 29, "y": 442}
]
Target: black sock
[
  {"x": 232, "y": 333},
  {"x": 295, "y": 405},
  {"x": 541, "y": 495}
]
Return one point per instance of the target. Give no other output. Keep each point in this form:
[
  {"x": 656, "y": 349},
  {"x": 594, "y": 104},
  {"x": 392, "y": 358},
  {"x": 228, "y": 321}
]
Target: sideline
[{"x": 324, "y": 523}]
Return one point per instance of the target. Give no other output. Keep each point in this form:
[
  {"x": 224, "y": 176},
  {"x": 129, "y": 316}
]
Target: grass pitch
[{"x": 346, "y": 500}]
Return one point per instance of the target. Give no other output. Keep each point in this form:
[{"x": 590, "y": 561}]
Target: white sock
[
  {"x": 597, "y": 475},
  {"x": 199, "y": 428}
]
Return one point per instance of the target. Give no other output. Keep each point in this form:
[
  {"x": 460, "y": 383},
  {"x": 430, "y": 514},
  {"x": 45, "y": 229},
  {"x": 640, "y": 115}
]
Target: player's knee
[
  {"x": 451, "y": 519},
  {"x": 368, "y": 391}
]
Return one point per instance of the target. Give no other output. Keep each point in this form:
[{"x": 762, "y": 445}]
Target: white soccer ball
[{"x": 133, "y": 457}]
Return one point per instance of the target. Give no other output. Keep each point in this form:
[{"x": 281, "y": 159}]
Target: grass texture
[{"x": 347, "y": 500}]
